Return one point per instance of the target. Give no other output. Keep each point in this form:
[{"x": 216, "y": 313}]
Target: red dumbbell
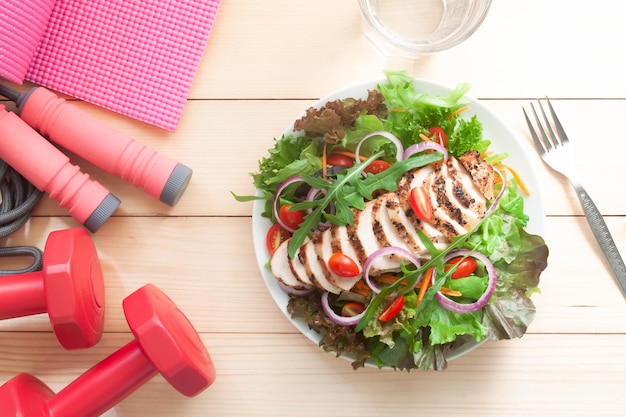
[
  {"x": 165, "y": 342},
  {"x": 69, "y": 288}
]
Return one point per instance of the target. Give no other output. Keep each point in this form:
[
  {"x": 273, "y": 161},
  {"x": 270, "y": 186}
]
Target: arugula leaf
[{"x": 347, "y": 195}]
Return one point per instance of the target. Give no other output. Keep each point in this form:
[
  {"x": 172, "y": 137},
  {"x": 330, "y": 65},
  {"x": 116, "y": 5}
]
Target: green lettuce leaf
[
  {"x": 413, "y": 113},
  {"x": 510, "y": 310}
]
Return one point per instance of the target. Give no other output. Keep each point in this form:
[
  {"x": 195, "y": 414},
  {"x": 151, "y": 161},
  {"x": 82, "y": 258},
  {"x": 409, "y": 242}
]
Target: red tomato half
[
  {"x": 438, "y": 135},
  {"x": 339, "y": 160},
  {"x": 377, "y": 167},
  {"x": 352, "y": 309},
  {"x": 291, "y": 218},
  {"x": 275, "y": 236},
  {"x": 392, "y": 310},
  {"x": 342, "y": 265},
  {"x": 420, "y": 203},
  {"x": 464, "y": 267}
]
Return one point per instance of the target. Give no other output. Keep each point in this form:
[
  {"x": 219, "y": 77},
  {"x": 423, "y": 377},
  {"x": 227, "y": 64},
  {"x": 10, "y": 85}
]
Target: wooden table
[{"x": 264, "y": 64}]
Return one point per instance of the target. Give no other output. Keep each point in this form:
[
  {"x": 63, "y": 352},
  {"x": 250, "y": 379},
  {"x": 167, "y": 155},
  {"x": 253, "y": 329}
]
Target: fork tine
[
  {"x": 557, "y": 124},
  {"x": 547, "y": 143},
  {"x": 533, "y": 133},
  {"x": 553, "y": 139}
]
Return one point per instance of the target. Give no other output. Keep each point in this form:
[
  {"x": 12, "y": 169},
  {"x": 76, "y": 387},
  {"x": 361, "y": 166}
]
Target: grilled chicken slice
[
  {"x": 335, "y": 239},
  {"x": 316, "y": 266},
  {"x": 458, "y": 192},
  {"x": 481, "y": 172},
  {"x": 458, "y": 204},
  {"x": 284, "y": 271}
]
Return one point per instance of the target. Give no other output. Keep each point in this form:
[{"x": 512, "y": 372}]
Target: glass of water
[{"x": 412, "y": 28}]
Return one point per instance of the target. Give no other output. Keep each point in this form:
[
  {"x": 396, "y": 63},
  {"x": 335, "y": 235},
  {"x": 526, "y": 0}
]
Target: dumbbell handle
[
  {"x": 50, "y": 170},
  {"x": 100, "y": 144},
  {"x": 22, "y": 295},
  {"x": 105, "y": 384},
  {"x": 165, "y": 342}
]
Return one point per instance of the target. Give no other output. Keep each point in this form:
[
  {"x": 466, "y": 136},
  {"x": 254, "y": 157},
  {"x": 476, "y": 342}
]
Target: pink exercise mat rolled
[
  {"x": 23, "y": 24},
  {"x": 134, "y": 57}
]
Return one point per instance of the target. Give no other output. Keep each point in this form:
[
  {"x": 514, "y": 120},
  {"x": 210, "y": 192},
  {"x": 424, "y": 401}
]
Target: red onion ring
[
  {"x": 281, "y": 187},
  {"x": 422, "y": 146},
  {"x": 455, "y": 307},
  {"x": 312, "y": 195},
  {"x": 390, "y": 250},
  {"x": 298, "y": 292},
  {"x": 386, "y": 135},
  {"x": 314, "y": 192},
  {"x": 336, "y": 318}
]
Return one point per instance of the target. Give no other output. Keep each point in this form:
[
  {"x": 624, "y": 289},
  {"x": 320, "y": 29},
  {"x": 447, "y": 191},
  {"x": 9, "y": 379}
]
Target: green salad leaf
[{"x": 349, "y": 191}]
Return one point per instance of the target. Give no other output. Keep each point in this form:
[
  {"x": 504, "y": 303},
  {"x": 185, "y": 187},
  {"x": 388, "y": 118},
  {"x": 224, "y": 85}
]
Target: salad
[{"x": 459, "y": 289}]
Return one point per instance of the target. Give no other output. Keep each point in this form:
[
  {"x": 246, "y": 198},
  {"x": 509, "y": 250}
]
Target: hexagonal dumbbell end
[
  {"x": 70, "y": 288},
  {"x": 168, "y": 340},
  {"x": 165, "y": 342}
]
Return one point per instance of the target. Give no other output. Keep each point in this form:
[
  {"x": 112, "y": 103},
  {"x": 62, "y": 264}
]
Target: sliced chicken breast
[
  {"x": 282, "y": 270},
  {"x": 458, "y": 192}
]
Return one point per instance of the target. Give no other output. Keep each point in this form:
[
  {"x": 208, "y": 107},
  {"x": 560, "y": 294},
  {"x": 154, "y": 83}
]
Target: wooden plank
[{"x": 266, "y": 375}]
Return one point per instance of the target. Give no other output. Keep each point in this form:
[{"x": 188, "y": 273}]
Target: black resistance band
[{"x": 19, "y": 197}]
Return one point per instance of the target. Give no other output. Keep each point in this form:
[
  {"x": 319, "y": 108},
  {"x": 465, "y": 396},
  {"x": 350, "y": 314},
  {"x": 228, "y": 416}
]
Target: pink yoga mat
[{"x": 135, "y": 57}]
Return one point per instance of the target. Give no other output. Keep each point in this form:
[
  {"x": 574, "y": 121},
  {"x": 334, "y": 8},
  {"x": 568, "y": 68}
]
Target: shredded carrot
[
  {"x": 497, "y": 160},
  {"x": 426, "y": 279},
  {"x": 389, "y": 279},
  {"x": 458, "y": 111},
  {"x": 348, "y": 154},
  {"x": 448, "y": 291},
  {"x": 518, "y": 179},
  {"x": 397, "y": 110},
  {"x": 324, "y": 164},
  {"x": 361, "y": 288}
]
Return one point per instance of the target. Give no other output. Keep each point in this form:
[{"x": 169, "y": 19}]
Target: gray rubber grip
[
  {"x": 102, "y": 213},
  {"x": 176, "y": 184}
]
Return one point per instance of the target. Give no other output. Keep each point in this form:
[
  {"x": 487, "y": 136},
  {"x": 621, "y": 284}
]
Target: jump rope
[
  {"x": 44, "y": 124},
  {"x": 65, "y": 280}
]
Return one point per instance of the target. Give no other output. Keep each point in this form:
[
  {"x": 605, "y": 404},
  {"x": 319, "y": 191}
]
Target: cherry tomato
[
  {"x": 377, "y": 167},
  {"x": 339, "y": 160},
  {"x": 275, "y": 236},
  {"x": 438, "y": 135},
  {"x": 464, "y": 267},
  {"x": 291, "y": 218},
  {"x": 420, "y": 203},
  {"x": 392, "y": 310},
  {"x": 352, "y": 309},
  {"x": 342, "y": 265}
]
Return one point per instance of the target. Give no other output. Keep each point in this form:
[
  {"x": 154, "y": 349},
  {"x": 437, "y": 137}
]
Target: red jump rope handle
[
  {"x": 71, "y": 128},
  {"x": 50, "y": 170}
]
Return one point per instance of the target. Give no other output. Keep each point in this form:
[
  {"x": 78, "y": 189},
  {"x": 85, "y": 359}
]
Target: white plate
[{"x": 502, "y": 140}]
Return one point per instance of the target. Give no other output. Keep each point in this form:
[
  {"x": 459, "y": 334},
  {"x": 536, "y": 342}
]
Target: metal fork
[{"x": 557, "y": 152}]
